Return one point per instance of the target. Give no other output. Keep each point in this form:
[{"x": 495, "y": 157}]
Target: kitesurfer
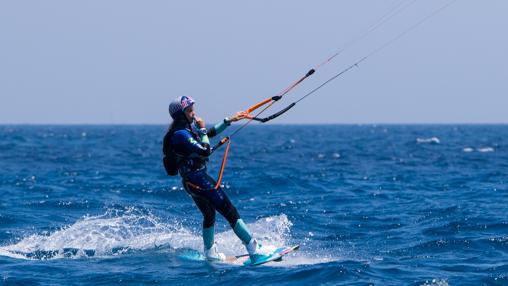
[{"x": 186, "y": 150}]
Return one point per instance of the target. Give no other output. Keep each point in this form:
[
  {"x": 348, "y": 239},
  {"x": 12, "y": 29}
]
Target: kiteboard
[
  {"x": 275, "y": 256},
  {"x": 244, "y": 259}
]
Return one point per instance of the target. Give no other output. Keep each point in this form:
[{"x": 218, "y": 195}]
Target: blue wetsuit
[
  {"x": 186, "y": 152},
  {"x": 193, "y": 150}
]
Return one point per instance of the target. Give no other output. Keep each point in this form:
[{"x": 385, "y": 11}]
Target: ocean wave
[
  {"x": 432, "y": 140},
  {"x": 436, "y": 282},
  {"x": 485, "y": 149},
  {"x": 479, "y": 149}
]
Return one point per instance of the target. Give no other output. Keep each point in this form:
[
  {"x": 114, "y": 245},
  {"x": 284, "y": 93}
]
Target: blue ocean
[{"x": 368, "y": 205}]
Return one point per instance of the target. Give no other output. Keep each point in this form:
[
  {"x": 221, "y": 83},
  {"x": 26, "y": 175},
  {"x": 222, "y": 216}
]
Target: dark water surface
[{"x": 382, "y": 205}]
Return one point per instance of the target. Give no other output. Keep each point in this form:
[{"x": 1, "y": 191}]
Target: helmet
[{"x": 179, "y": 104}]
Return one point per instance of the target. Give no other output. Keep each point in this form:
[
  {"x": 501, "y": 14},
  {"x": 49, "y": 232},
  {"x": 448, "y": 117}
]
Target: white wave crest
[
  {"x": 433, "y": 140},
  {"x": 436, "y": 282},
  {"x": 485, "y": 149}
]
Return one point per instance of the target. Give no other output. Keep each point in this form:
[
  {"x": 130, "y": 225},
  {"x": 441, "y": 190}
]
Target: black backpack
[{"x": 171, "y": 160}]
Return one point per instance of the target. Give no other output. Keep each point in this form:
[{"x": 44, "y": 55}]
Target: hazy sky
[{"x": 123, "y": 61}]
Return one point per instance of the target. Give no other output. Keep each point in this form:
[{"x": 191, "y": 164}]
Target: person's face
[{"x": 189, "y": 113}]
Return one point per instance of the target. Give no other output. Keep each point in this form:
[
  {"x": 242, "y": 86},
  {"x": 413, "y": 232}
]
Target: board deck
[
  {"x": 275, "y": 256},
  {"x": 240, "y": 259}
]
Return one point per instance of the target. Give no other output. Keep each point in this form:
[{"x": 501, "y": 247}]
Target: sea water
[{"x": 369, "y": 204}]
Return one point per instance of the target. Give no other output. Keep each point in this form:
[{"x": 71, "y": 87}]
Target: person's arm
[
  {"x": 221, "y": 126},
  {"x": 185, "y": 139}
]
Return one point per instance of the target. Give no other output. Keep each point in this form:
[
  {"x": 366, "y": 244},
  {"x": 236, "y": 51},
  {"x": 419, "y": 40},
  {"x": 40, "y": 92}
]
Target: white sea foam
[
  {"x": 436, "y": 282},
  {"x": 433, "y": 140},
  {"x": 485, "y": 149},
  {"x": 273, "y": 230},
  {"x": 480, "y": 149},
  {"x": 113, "y": 234}
]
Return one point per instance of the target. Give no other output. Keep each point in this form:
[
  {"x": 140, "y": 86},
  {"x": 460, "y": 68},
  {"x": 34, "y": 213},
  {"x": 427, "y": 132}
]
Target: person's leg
[
  {"x": 227, "y": 210},
  {"x": 230, "y": 213},
  {"x": 220, "y": 201},
  {"x": 224, "y": 206},
  {"x": 208, "y": 221},
  {"x": 208, "y": 211}
]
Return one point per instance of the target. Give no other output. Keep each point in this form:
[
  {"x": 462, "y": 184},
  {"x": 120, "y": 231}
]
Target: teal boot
[{"x": 211, "y": 252}]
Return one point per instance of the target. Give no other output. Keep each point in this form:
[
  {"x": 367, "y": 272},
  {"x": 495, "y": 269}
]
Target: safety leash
[{"x": 223, "y": 164}]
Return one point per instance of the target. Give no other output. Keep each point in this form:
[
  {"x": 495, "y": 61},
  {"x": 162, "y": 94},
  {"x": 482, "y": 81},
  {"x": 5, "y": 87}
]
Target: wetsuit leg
[
  {"x": 207, "y": 210},
  {"x": 228, "y": 211},
  {"x": 203, "y": 188}
]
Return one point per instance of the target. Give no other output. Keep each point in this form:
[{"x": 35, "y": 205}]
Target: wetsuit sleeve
[
  {"x": 184, "y": 139},
  {"x": 219, "y": 127}
]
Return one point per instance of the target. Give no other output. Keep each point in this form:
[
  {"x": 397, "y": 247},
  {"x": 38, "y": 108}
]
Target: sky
[{"x": 123, "y": 61}]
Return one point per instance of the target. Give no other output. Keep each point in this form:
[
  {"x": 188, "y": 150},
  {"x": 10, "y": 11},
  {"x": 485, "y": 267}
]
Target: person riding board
[{"x": 186, "y": 152}]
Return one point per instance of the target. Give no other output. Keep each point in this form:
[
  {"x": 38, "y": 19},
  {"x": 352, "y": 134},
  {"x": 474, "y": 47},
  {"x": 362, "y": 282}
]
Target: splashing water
[
  {"x": 114, "y": 234},
  {"x": 104, "y": 235}
]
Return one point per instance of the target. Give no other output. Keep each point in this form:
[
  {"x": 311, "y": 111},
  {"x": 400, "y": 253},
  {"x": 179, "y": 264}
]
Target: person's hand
[
  {"x": 239, "y": 115},
  {"x": 199, "y": 122}
]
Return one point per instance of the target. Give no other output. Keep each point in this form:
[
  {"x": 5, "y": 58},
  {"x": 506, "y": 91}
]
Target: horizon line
[{"x": 337, "y": 123}]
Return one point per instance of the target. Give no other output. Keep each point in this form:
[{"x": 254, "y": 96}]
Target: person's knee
[
  {"x": 226, "y": 207},
  {"x": 232, "y": 216}
]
